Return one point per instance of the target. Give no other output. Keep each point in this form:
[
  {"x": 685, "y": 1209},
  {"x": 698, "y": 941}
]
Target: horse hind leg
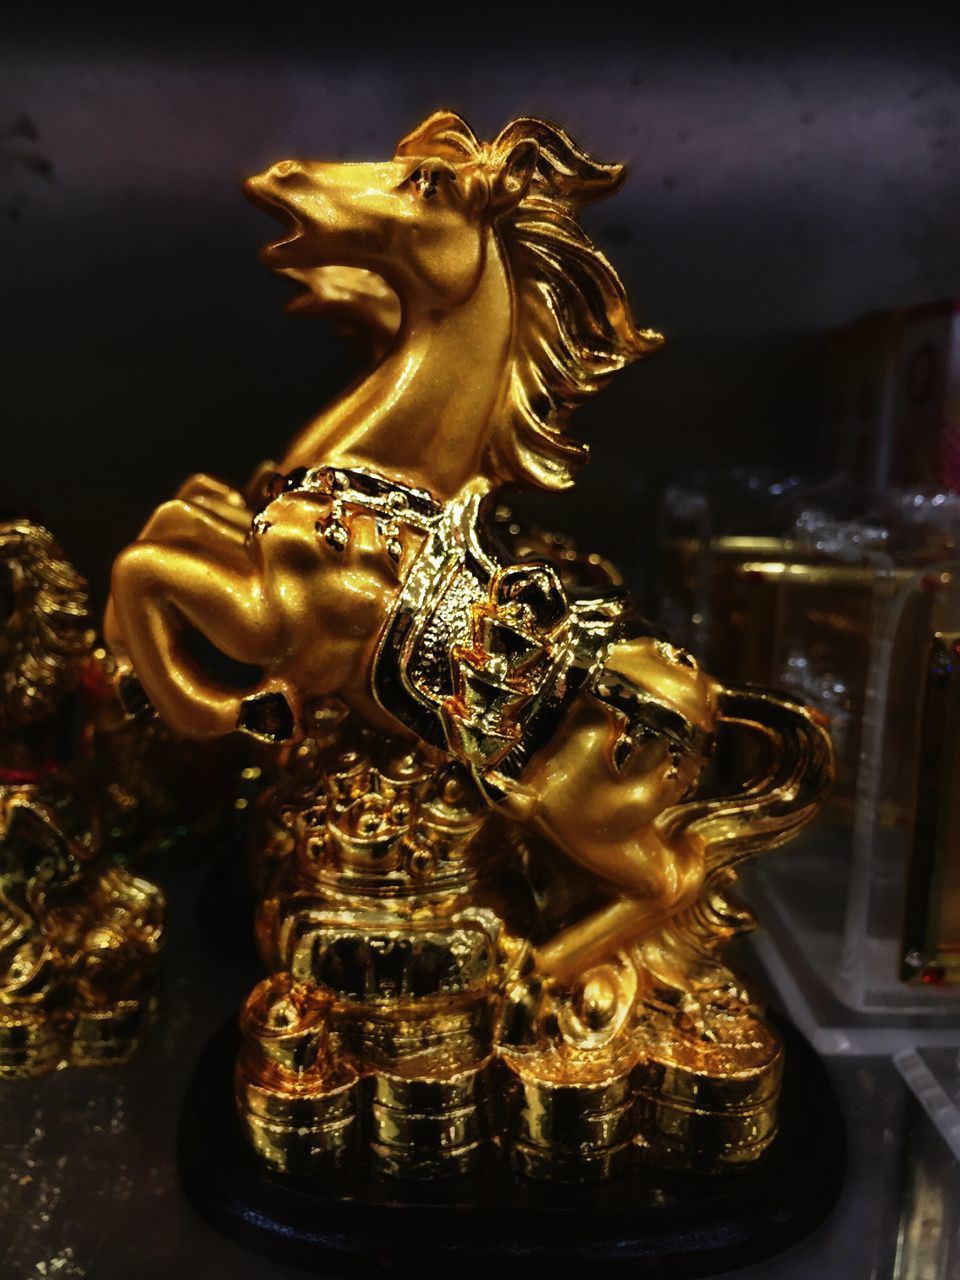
[
  {"x": 569, "y": 1035},
  {"x": 586, "y": 977},
  {"x": 629, "y": 916}
]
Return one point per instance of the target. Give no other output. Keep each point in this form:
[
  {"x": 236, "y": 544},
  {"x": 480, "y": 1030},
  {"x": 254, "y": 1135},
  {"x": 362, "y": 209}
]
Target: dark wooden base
[{"x": 495, "y": 1223}]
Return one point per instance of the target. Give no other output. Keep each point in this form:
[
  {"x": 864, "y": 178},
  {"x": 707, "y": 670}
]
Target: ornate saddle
[{"x": 482, "y": 654}]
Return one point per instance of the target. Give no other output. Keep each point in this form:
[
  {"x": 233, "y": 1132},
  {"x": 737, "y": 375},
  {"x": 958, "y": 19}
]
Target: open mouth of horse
[{"x": 266, "y": 201}]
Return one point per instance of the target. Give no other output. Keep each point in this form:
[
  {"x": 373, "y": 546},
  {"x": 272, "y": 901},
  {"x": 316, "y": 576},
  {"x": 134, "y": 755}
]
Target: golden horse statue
[{"x": 456, "y": 715}]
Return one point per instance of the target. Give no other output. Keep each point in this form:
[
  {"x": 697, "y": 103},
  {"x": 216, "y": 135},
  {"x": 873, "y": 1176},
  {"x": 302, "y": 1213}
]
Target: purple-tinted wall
[{"x": 782, "y": 181}]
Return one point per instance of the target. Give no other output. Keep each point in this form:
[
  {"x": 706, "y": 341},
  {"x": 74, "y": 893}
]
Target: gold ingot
[
  {"x": 570, "y": 1116},
  {"x": 729, "y": 1078},
  {"x": 287, "y": 1022},
  {"x": 422, "y": 1095},
  {"x": 309, "y": 1131},
  {"x": 30, "y": 1043},
  {"x": 668, "y": 1136},
  {"x": 426, "y": 1038},
  {"x": 423, "y": 1127},
  {"x": 104, "y": 1036},
  {"x": 298, "y": 1102},
  {"x": 79, "y": 936}
]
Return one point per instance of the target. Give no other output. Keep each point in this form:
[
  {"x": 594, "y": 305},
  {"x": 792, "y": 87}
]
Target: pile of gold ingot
[
  {"x": 393, "y": 927},
  {"x": 78, "y": 935}
]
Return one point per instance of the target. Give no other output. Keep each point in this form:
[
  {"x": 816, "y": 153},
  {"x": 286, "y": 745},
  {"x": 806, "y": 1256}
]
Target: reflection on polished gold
[
  {"x": 78, "y": 936},
  {"x": 495, "y": 896}
]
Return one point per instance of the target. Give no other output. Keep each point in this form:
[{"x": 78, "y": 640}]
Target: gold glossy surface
[
  {"x": 494, "y": 897},
  {"x": 78, "y": 935}
]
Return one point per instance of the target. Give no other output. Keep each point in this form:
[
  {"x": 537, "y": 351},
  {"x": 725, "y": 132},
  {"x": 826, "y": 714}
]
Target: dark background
[{"x": 786, "y": 174}]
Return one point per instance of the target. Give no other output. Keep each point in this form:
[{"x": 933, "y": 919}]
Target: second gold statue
[{"x": 494, "y": 900}]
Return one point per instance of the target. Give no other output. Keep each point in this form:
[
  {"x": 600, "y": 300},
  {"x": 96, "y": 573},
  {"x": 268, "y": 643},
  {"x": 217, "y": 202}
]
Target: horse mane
[
  {"x": 573, "y": 328},
  {"x": 359, "y": 303}
]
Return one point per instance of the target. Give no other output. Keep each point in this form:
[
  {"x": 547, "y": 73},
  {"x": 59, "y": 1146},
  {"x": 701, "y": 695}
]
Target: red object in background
[
  {"x": 26, "y": 777},
  {"x": 892, "y": 398},
  {"x": 926, "y": 409},
  {"x": 950, "y": 455}
]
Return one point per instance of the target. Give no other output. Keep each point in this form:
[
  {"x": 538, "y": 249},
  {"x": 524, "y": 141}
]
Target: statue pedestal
[{"x": 644, "y": 1221}]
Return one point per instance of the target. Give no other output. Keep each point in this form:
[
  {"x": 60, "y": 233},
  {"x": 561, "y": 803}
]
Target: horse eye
[{"x": 425, "y": 181}]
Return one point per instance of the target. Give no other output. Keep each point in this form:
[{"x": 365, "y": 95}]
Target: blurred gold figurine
[
  {"x": 79, "y": 936},
  {"x": 496, "y": 900}
]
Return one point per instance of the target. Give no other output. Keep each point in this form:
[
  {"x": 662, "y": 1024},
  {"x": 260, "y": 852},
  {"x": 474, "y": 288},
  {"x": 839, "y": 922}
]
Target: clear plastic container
[{"x": 855, "y": 607}]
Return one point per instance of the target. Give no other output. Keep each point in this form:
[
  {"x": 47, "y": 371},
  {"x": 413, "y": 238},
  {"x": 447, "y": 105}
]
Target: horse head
[
  {"x": 431, "y": 220},
  {"x": 421, "y": 221}
]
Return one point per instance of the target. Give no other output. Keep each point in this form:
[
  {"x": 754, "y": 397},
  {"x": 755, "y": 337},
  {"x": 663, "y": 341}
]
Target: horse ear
[
  {"x": 514, "y": 176},
  {"x": 443, "y": 134},
  {"x": 565, "y": 172}
]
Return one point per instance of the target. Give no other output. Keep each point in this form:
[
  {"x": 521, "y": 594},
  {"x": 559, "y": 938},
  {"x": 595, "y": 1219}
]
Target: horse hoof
[
  {"x": 596, "y": 1001},
  {"x": 599, "y": 1006}
]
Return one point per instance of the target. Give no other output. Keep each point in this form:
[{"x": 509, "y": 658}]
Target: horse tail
[{"x": 778, "y": 803}]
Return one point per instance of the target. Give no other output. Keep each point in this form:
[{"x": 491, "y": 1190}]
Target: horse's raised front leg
[
  {"x": 156, "y": 590},
  {"x": 201, "y": 490},
  {"x": 206, "y": 491},
  {"x": 189, "y": 527},
  {"x": 220, "y": 534}
]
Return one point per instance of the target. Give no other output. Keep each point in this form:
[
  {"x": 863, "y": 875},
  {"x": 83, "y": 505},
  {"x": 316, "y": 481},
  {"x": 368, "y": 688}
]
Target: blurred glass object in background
[{"x": 851, "y": 599}]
